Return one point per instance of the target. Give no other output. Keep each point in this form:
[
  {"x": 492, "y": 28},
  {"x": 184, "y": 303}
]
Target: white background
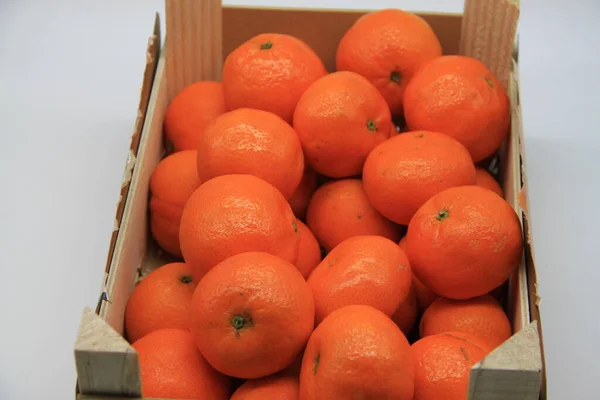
[{"x": 70, "y": 73}]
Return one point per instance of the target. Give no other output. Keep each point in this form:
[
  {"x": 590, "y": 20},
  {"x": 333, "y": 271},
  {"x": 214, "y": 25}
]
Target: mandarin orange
[
  {"x": 464, "y": 242},
  {"x": 270, "y": 72},
  {"x": 460, "y": 97},
  {"x": 252, "y": 314},
  {"x": 388, "y": 47}
]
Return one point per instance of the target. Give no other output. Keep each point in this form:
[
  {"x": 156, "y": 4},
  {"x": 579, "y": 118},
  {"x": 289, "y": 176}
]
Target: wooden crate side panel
[
  {"x": 195, "y": 53},
  {"x": 534, "y": 299},
  {"x": 133, "y": 239},
  {"x": 519, "y": 291},
  {"x": 152, "y": 55},
  {"x": 241, "y": 24}
]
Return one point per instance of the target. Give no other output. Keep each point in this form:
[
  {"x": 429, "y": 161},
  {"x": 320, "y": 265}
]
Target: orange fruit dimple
[
  {"x": 464, "y": 242},
  {"x": 161, "y": 300},
  {"x": 270, "y": 72},
  {"x": 172, "y": 183},
  {"x": 269, "y": 388},
  {"x": 190, "y": 111},
  {"x": 339, "y": 119},
  {"x": 460, "y": 97},
  {"x": 309, "y": 255},
  {"x": 340, "y": 209},
  {"x": 301, "y": 197},
  {"x": 388, "y": 47},
  {"x": 252, "y": 315},
  {"x": 172, "y": 367},
  {"x": 232, "y": 214},
  {"x": 353, "y": 348},
  {"x": 482, "y": 317},
  {"x": 485, "y": 180},
  {"x": 368, "y": 270},
  {"x": 443, "y": 363},
  {"x": 255, "y": 142},
  {"x": 404, "y": 172}
]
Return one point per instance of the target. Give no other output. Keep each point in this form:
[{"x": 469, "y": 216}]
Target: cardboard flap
[
  {"x": 488, "y": 34},
  {"x": 194, "y": 36},
  {"x": 512, "y": 371},
  {"x": 106, "y": 363}
]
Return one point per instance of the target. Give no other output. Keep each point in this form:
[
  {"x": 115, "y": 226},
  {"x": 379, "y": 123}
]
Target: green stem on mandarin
[
  {"x": 316, "y": 363},
  {"x": 371, "y": 125},
  {"x": 238, "y": 322},
  {"x": 443, "y": 214},
  {"x": 186, "y": 279},
  {"x": 266, "y": 46},
  {"x": 395, "y": 76}
]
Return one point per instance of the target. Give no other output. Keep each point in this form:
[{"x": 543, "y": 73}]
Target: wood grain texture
[
  {"x": 153, "y": 49},
  {"x": 194, "y": 37},
  {"x": 512, "y": 183},
  {"x": 106, "y": 364},
  {"x": 132, "y": 243},
  {"x": 488, "y": 34},
  {"x": 532, "y": 286},
  {"x": 513, "y": 371}
]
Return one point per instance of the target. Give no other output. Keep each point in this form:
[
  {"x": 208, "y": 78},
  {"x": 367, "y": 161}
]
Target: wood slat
[
  {"x": 194, "y": 37},
  {"x": 488, "y": 34}
]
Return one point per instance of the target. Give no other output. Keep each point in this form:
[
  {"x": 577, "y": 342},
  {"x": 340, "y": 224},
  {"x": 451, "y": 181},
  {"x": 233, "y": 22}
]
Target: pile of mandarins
[{"x": 314, "y": 232}]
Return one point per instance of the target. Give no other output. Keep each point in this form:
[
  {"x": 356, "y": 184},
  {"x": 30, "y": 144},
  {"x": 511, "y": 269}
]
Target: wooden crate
[{"x": 199, "y": 35}]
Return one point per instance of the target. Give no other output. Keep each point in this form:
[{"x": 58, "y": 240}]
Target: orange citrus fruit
[
  {"x": 464, "y": 242},
  {"x": 276, "y": 387},
  {"x": 172, "y": 183},
  {"x": 161, "y": 300},
  {"x": 340, "y": 210},
  {"x": 404, "y": 172},
  {"x": 270, "y": 72},
  {"x": 301, "y": 197},
  {"x": 309, "y": 255},
  {"x": 339, "y": 119},
  {"x": 388, "y": 47},
  {"x": 357, "y": 352},
  {"x": 255, "y": 142},
  {"x": 482, "y": 317},
  {"x": 252, "y": 315},
  {"x": 190, "y": 111},
  {"x": 172, "y": 367},
  {"x": 368, "y": 270},
  {"x": 443, "y": 363},
  {"x": 460, "y": 97},
  {"x": 233, "y": 214},
  {"x": 486, "y": 180}
]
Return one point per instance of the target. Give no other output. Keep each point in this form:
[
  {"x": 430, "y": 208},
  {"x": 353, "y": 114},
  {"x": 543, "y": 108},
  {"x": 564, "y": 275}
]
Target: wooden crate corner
[
  {"x": 106, "y": 363},
  {"x": 512, "y": 371}
]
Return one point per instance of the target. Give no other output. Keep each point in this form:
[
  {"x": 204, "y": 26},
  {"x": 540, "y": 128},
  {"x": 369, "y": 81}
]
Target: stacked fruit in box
[{"x": 324, "y": 254}]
